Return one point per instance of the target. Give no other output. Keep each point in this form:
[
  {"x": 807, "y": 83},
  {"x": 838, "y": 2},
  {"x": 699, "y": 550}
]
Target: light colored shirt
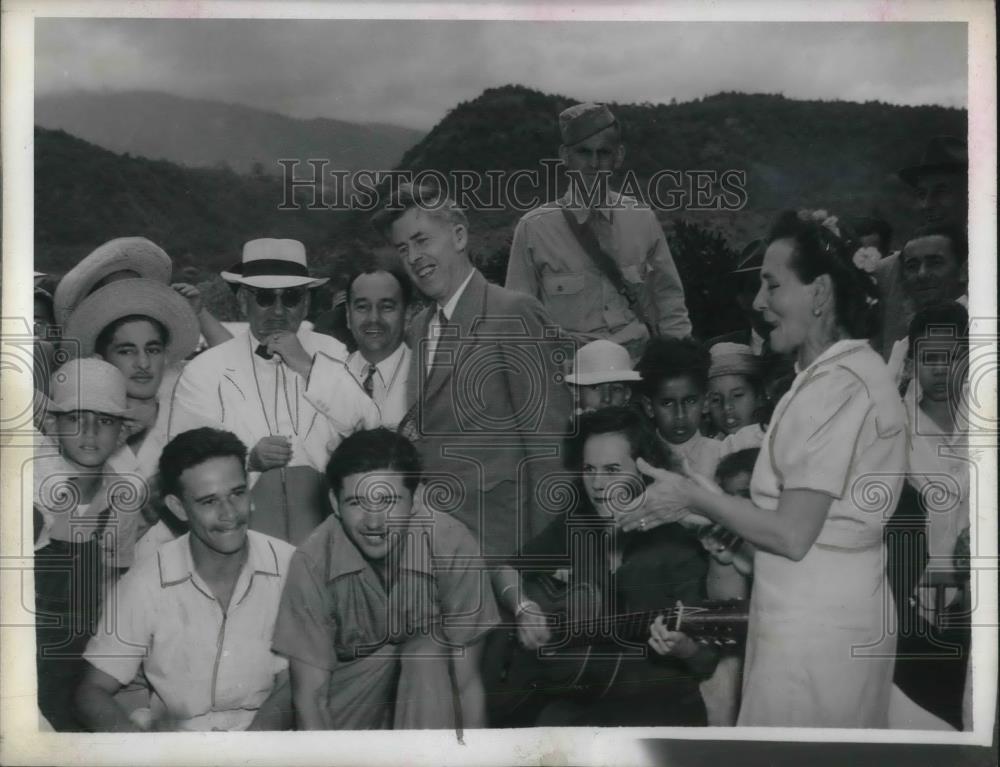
[
  {"x": 388, "y": 383},
  {"x": 704, "y": 453},
  {"x": 548, "y": 262},
  {"x": 434, "y": 327},
  {"x": 211, "y": 668}
]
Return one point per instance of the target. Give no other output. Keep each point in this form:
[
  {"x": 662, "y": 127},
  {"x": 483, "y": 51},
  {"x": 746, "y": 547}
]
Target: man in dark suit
[{"x": 488, "y": 408}]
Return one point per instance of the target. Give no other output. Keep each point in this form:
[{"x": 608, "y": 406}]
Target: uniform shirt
[
  {"x": 548, "y": 262},
  {"x": 212, "y": 668},
  {"x": 337, "y": 615}
]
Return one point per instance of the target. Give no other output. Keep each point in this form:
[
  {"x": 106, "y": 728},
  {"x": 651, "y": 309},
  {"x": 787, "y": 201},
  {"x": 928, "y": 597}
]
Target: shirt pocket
[{"x": 568, "y": 284}]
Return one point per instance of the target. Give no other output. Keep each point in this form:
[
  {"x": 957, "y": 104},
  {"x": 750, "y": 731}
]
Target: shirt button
[{"x": 559, "y": 289}]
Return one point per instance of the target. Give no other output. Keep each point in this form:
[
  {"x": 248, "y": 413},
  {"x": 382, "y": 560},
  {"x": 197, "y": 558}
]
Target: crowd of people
[{"x": 423, "y": 528}]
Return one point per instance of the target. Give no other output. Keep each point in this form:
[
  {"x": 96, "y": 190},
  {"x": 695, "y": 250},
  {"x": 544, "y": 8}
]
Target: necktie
[{"x": 369, "y": 383}]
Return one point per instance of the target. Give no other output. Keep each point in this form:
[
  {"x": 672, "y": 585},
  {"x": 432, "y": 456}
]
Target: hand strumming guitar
[
  {"x": 532, "y": 626},
  {"x": 675, "y": 643}
]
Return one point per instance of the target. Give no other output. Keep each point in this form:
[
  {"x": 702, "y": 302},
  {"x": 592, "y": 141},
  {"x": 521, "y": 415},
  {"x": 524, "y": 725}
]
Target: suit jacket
[
  {"x": 219, "y": 388},
  {"x": 490, "y": 416}
]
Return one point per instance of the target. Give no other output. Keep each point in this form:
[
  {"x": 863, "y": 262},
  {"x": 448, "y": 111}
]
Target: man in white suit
[{"x": 257, "y": 385}]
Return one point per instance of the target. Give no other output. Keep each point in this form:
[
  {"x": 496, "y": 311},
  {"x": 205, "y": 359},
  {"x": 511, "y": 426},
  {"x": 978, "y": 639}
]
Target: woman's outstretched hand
[{"x": 662, "y": 502}]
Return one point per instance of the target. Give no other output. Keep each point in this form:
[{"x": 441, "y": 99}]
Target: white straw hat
[
  {"x": 88, "y": 384},
  {"x": 270, "y": 263},
  {"x": 136, "y": 254},
  {"x": 602, "y": 361}
]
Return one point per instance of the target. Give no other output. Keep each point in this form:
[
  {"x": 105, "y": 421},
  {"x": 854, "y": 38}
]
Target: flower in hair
[{"x": 867, "y": 258}]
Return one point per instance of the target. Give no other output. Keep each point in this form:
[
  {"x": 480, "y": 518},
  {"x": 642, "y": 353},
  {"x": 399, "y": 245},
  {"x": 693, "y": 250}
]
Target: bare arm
[
  {"x": 214, "y": 331},
  {"x": 275, "y": 713},
  {"x": 470, "y": 686},
  {"x": 309, "y": 693},
  {"x": 96, "y": 706}
]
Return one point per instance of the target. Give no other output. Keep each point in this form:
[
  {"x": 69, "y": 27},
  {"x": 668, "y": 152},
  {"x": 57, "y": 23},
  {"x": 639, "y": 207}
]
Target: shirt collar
[
  {"x": 358, "y": 365},
  {"x": 449, "y": 308},
  {"x": 176, "y": 564},
  {"x": 834, "y": 353},
  {"x": 581, "y": 212},
  {"x": 345, "y": 559}
]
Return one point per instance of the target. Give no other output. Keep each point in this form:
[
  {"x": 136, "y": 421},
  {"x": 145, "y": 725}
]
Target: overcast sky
[{"x": 411, "y": 72}]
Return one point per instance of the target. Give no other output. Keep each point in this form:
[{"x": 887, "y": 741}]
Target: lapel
[
  {"x": 239, "y": 379},
  {"x": 471, "y": 307}
]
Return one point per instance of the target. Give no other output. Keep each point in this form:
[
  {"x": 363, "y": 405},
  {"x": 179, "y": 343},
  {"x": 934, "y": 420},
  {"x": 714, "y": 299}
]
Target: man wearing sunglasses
[{"x": 255, "y": 385}]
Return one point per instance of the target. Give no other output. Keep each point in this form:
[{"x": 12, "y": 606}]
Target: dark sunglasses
[{"x": 265, "y": 297}]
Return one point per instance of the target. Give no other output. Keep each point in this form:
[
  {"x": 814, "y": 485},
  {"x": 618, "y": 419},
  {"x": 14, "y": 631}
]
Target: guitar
[{"x": 584, "y": 654}]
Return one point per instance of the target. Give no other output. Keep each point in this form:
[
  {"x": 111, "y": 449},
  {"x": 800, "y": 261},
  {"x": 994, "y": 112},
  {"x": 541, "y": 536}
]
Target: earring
[{"x": 817, "y": 312}]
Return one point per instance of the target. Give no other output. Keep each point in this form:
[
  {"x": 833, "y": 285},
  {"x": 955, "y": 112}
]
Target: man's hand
[
  {"x": 532, "y": 627},
  {"x": 288, "y": 346},
  {"x": 191, "y": 294},
  {"x": 270, "y": 453},
  {"x": 666, "y": 642}
]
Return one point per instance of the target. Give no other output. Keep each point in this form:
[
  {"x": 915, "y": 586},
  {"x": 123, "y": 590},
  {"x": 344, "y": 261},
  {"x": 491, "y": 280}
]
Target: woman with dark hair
[
  {"x": 601, "y": 571},
  {"x": 820, "y": 645}
]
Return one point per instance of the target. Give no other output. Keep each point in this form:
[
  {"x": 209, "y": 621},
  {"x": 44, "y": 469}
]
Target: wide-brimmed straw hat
[
  {"x": 602, "y": 361},
  {"x": 136, "y": 254},
  {"x": 943, "y": 154},
  {"x": 89, "y": 384},
  {"x": 270, "y": 263},
  {"x": 147, "y": 298}
]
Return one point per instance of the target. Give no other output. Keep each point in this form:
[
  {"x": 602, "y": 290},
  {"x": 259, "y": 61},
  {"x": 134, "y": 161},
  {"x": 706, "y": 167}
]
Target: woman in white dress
[{"x": 821, "y": 641}]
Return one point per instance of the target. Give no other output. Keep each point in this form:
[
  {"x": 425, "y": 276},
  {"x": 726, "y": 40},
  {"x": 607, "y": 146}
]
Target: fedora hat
[
  {"x": 88, "y": 384},
  {"x": 602, "y": 361},
  {"x": 270, "y": 263},
  {"x": 943, "y": 154},
  {"x": 136, "y": 254},
  {"x": 147, "y": 298}
]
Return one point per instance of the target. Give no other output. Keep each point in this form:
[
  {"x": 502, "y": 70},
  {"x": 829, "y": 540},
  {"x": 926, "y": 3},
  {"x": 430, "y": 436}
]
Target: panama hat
[
  {"x": 88, "y": 384},
  {"x": 602, "y": 361},
  {"x": 147, "y": 298},
  {"x": 270, "y": 263},
  {"x": 136, "y": 254},
  {"x": 943, "y": 154}
]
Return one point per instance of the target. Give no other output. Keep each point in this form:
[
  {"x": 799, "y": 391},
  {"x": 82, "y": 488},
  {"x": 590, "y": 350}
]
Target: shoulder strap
[{"x": 607, "y": 265}]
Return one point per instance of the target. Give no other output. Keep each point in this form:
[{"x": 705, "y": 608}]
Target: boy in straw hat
[
  {"x": 735, "y": 389},
  {"x": 85, "y": 521},
  {"x": 600, "y": 266},
  {"x": 258, "y": 385},
  {"x": 602, "y": 376}
]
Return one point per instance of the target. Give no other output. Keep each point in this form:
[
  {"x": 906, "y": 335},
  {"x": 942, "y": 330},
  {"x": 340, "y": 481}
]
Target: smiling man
[
  {"x": 597, "y": 260},
  {"x": 197, "y": 617},
  {"x": 363, "y": 615}
]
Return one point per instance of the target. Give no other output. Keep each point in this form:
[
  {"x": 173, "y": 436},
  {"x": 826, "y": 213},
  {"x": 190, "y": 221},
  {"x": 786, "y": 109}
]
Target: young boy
[
  {"x": 735, "y": 390},
  {"x": 85, "y": 522},
  {"x": 674, "y": 386},
  {"x": 385, "y": 603},
  {"x": 602, "y": 376},
  {"x": 196, "y": 617}
]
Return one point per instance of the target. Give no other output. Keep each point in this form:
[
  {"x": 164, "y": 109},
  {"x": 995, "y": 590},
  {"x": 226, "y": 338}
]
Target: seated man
[
  {"x": 197, "y": 616},
  {"x": 380, "y": 618}
]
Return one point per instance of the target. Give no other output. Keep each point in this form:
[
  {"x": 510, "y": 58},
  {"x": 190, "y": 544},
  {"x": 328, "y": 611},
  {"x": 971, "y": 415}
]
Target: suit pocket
[{"x": 569, "y": 284}]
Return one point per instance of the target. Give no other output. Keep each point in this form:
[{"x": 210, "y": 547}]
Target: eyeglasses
[{"x": 265, "y": 297}]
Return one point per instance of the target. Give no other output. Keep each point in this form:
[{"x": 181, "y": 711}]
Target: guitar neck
[{"x": 720, "y": 622}]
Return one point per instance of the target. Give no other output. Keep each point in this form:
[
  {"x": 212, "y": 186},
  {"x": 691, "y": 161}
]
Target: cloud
[{"x": 412, "y": 72}]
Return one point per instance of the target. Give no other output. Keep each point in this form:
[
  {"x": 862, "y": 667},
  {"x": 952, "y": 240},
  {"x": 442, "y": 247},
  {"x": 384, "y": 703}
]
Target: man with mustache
[
  {"x": 597, "y": 260},
  {"x": 378, "y": 295},
  {"x": 259, "y": 385},
  {"x": 941, "y": 198},
  {"x": 197, "y": 616}
]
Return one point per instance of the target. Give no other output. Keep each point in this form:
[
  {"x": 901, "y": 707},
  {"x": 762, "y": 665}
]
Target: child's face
[
  {"x": 732, "y": 402},
  {"x": 88, "y": 438},
  {"x": 370, "y": 505},
  {"x": 737, "y": 484},
  {"x": 937, "y": 365},
  {"x": 597, "y": 396},
  {"x": 676, "y": 408}
]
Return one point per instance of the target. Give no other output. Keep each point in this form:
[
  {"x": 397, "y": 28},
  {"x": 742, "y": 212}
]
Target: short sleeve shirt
[{"x": 212, "y": 669}]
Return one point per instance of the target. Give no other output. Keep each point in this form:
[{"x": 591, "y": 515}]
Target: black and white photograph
[{"x": 530, "y": 383}]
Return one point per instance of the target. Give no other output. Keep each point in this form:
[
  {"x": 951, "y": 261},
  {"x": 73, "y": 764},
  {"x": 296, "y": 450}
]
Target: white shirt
[
  {"x": 433, "y": 328},
  {"x": 388, "y": 383}
]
